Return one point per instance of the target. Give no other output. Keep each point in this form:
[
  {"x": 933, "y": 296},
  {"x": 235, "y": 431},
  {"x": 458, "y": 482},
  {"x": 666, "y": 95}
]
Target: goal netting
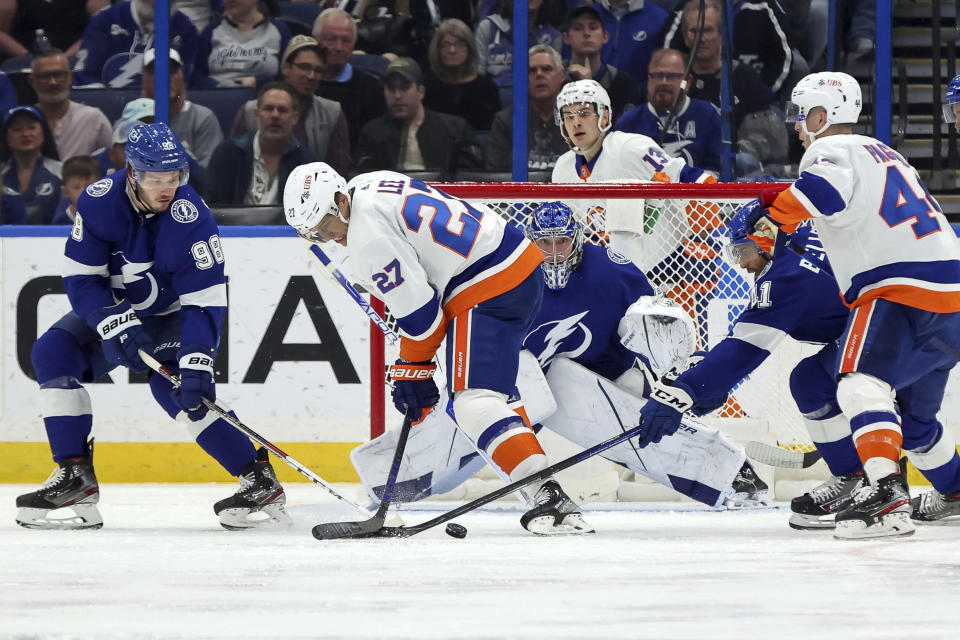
[{"x": 681, "y": 232}]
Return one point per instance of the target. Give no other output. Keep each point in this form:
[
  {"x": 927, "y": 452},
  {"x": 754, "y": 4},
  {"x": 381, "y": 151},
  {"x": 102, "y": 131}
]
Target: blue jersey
[
  {"x": 693, "y": 136},
  {"x": 43, "y": 193},
  {"x": 159, "y": 263},
  {"x": 580, "y": 321},
  {"x": 114, "y": 43},
  {"x": 796, "y": 295},
  {"x": 633, "y": 37}
]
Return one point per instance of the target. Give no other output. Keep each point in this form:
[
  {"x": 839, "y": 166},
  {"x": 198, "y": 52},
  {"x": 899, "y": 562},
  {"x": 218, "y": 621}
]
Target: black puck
[{"x": 456, "y": 530}]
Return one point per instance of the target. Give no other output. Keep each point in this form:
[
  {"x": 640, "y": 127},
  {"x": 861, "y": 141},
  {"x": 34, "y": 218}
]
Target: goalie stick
[
  {"x": 352, "y": 530},
  {"x": 776, "y": 456},
  {"x": 155, "y": 364}
]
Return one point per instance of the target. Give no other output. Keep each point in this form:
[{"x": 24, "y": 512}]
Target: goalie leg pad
[{"x": 697, "y": 461}]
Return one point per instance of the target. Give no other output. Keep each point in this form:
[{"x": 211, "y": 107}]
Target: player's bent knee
[
  {"x": 810, "y": 386},
  {"x": 56, "y": 354},
  {"x": 860, "y": 393},
  {"x": 477, "y": 409},
  {"x": 161, "y": 389}
]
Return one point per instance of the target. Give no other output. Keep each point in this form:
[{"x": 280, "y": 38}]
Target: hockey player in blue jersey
[
  {"x": 143, "y": 270},
  {"x": 599, "y": 314},
  {"x": 951, "y": 103}
]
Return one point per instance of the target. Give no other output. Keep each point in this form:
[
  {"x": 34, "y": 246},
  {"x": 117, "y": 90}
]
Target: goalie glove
[
  {"x": 662, "y": 413},
  {"x": 659, "y": 331}
]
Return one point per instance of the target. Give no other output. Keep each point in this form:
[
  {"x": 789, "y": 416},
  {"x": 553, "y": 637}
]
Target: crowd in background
[{"x": 420, "y": 86}]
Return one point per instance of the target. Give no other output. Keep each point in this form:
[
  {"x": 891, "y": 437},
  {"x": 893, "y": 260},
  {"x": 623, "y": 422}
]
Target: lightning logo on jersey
[{"x": 556, "y": 336}]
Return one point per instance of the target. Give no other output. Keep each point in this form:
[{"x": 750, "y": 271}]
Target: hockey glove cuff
[
  {"x": 121, "y": 334},
  {"x": 413, "y": 387},
  {"x": 662, "y": 413},
  {"x": 196, "y": 383}
]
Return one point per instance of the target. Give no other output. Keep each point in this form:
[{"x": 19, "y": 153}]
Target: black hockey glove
[
  {"x": 663, "y": 412},
  {"x": 196, "y": 383},
  {"x": 413, "y": 387},
  {"x": 121, "y": 335}
]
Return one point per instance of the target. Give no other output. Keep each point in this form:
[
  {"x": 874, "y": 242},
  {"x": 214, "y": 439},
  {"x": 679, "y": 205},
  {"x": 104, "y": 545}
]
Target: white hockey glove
[{"x": 659, "y": 331}]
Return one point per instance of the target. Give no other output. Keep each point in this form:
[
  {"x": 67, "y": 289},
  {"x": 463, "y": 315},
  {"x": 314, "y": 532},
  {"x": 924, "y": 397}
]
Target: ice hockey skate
[
  {"x": 554, "y": 513},
  {"x": 880, "y": 510},
  {"x": 67, "y": 500},
  {"x": 749, "y": 491},
  {"x": 934, "y": 507},
  {"x": 259, "y": 504},
  {"x": 818, "y": 508}
]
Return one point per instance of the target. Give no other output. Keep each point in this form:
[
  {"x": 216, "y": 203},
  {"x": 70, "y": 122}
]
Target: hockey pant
[{"x": 587, "y": 409}]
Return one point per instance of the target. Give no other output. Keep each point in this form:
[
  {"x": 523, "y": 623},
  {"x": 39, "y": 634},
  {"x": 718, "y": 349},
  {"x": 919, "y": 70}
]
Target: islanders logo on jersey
[
  {"x": 99, "y": 188},
  {"x": 568, "y": 337},
  {"x": 184, "y": 211}
]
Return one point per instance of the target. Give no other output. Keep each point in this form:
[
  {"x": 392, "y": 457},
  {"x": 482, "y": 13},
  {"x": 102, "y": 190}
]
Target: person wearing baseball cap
[
  {"x": 322, "y": 125},
  {"x": 30, "y": 163},
  {"x": 410, "y": 137}
]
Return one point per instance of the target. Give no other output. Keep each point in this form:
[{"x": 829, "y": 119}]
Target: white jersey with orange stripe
[
  {"x": 625, "y": 156},
  {"x": 430, "y": 256},
  {"x": 884, "y": 233}
]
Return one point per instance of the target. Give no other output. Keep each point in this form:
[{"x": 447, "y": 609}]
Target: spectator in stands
[
  {"x": 113, "y": 157},
  {"x": 694, "y": 125},
  {"x": 760, "y": 132},
  {"x": 8, "y": 94},
  {"x": 115, "y": 39},
  {"x": 31, "y": 166},
  {"x": 78, "y": 129},
  {"x": 195, "y": 125},
  {"x": 634, "y": 27},
  {"x": 585, "y": 34},
  {"x": 359, "y": 93},
  {"x": 62, "y": 21},
  {"x": 13, "y": 210},
  {"x": 453, "y": 85},
  {"x": 759, "y": 39},
  {"x": 544, "y": 142},
  {"x": 241, "y": 48},
  {"x": 253, "y": 168},
  {"x": 200, "y": 12},
  {"x": 410, "y": 137},
  {"x": 495, "y": 39},
  {"x": 78, "y": 172},
  {"x": 321, "y": 126}
]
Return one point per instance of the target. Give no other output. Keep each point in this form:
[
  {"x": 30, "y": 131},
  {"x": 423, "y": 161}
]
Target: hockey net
[{"x": 683, "y": 231}]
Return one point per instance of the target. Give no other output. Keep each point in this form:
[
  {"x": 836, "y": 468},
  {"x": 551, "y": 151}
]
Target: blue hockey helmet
[
  {"x": 951, "y": 100},
  {"x": 556, "y": 232},
  {"x": 155, "y": 148},
  {"x": 744, "y": 239}
]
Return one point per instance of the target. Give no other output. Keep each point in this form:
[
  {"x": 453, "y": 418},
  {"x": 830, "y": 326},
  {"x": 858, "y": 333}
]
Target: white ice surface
[{"x": 163, "y": 568}]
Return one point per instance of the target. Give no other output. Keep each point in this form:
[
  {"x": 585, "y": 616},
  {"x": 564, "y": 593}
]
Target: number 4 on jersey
[{"x": 902, "y": 204}]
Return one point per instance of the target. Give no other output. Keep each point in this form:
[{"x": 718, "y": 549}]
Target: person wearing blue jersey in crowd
[
  {"x": 12, "y": 208},
  {"x": 30, "y": 163},
  {"x": 694, "y": 133},
  {"x": 634, "y": 27},
  {"x": 143, "y": 270},
  {"x": 116, "y": 38}
]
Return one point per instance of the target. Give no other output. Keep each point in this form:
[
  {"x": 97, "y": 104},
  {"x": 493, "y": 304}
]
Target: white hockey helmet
[
  {"x": 838, "y": 93},
  {"x": 583, "y": 92},
  {"x": 309, "y": 194}
]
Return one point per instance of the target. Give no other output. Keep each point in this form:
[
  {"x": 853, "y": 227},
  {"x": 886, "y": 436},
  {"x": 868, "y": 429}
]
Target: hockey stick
[
  {"x": 781, "y": 457},
  {"x": 168, "y": 375},
  {"x": 337, "y": 275},
  {"x": 372, "y": 526}
]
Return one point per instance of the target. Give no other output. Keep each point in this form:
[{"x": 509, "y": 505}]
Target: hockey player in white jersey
[
  {"x": 897, "y": 261},
  {"x": 599, "y": 320},
  {"x": 446, "y": 269}
]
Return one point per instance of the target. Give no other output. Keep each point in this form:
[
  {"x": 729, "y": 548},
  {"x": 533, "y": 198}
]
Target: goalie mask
[
  {"x": 310, "y": 195},
  {"x": 556, "y": 232},
  {"x": 951, "y": 101},
  {"x": 837, "y": 93}
]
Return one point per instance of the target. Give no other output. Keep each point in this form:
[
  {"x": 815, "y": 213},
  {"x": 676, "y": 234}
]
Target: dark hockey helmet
[
  {"x": 557, "y": 233},
  {"x": 743, "y": 239},
  {"x": 155, "y": 148},
  {"x": 951, "y": 100}
]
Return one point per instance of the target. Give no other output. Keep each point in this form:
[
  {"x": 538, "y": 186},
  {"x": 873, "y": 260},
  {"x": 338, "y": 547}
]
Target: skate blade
[
  {"x": 759, "y": 500},
  {"x": 77, "y": 516},
  {"x": 571, "y": 525},
  {"x": 803, "y": 522},
  {"x": 271, "y": 517},
  {"x": 893, "y": 525},
  {"x": 946, "y": 521}
]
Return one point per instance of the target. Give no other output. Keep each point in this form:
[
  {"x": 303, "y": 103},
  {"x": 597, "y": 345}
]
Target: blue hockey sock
[{"x": 227, "y": 446}]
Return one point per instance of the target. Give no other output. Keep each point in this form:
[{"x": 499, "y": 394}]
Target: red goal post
[{"x": 682, "y": 233}]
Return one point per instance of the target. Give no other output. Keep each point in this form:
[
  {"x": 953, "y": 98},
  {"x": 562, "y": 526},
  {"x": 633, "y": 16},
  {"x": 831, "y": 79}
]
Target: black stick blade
[{"x": 334, "y": 530}]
